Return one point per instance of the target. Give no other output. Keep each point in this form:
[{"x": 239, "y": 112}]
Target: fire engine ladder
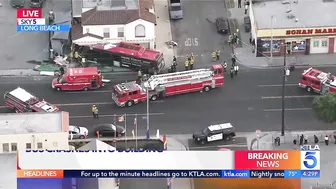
[
  {"x": 156, "y": 80},
  {"x": 322, "y": 76}
]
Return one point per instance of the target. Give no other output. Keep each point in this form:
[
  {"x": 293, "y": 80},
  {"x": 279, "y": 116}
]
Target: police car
[{"x": 223, "y": 131}]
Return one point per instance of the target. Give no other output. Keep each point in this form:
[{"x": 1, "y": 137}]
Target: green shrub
[{"x": 325, "y": 107}]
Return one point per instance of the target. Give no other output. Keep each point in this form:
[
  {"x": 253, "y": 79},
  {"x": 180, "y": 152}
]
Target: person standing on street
[
  {"x": 316, "y": 140},
  {"x": 214, "y": 57},
  {"x": 246, "y": 6},
  {"x": 96, "y": 113},
  {"x": 225, "y": 66},
  {"x": 326, "y": 140},
  {"x": 217, "y": 54},
  {"x": 191, "y": 62},
  {"x": 174, "y": 59},
  {"x": 186, "y": 64},
  {"x": 230, "y": 40},
  {"x": 231, "y": 73},
  {"x": 236, "y": 68},
  {"x": 93, "y": 109},
  {"x": 233, "y": 59},
  {"x": 239, "y": 3}
]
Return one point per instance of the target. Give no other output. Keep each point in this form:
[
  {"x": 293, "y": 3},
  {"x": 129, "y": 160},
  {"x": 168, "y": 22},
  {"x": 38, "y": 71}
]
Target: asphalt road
[
  {"x": 250, "y": 101},
  {"x": 196, "y": 32}
]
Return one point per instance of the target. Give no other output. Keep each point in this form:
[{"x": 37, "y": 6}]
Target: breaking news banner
[{"x": 31, "y": 20}]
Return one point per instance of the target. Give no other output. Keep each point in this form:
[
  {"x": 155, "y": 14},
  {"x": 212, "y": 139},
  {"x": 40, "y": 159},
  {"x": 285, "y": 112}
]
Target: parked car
[
  {"x": 111, "y": 130},
  {"x": 215, "y": 132},
  {"x": 18, "y": 3},
  {"x": 222, "y": 25},
  {"x": 76, "y": 132},
  {"x": 36, "y": 3}
]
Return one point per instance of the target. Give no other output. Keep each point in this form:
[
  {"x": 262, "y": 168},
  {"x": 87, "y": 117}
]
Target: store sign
[{"x": 311, "y": 31}]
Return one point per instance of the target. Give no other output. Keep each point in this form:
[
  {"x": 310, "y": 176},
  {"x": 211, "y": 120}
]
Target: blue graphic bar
[
  {"x": 235, "y": 174},
  {"x": 43, "y": 28},
  {"x": 142, "y": 174},
  {"x": 293, "y": 174},
  {"x": 310, "y": 174}
]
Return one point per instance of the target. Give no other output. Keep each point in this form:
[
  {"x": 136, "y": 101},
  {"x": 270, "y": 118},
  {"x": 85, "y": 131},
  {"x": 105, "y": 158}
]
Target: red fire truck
[
  {"x": 127, "y": 55},
  {"x": 78, "y": 79},
  {"x": 22, "y": 101},
  {"x": 314, "y": 80},
  {"x": 127, "y": 94}
]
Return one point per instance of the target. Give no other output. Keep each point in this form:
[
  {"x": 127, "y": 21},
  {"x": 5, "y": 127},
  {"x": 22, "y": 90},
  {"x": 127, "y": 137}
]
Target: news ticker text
[{"x": 173, "y": 173}]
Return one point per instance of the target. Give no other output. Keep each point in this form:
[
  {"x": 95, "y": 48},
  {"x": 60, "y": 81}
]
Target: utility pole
[
  {"x": 283, "y": 93},
  {"x": 272, "y": 37}
]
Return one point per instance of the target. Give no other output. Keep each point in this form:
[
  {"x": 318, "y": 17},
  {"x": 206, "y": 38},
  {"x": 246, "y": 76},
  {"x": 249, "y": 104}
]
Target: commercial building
[
  {"x": 33, "y": 131},
  {"x": 29, "y": 131},
  {"x": 296, "y": 26}
]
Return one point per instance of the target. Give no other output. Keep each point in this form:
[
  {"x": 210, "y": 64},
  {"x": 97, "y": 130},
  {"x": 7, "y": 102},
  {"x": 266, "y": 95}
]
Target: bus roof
[
  {"x": 130, "y": 49},
  {"x": 82, "y": 71}
]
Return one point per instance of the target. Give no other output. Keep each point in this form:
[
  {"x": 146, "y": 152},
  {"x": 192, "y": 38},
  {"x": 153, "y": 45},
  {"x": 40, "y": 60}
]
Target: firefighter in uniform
[
  {"x": 96, "y": 113},
  {"x": 192, "y": 61},
  {"x": 225, "y": 66},
  {"x": 214, "y": 56},
  {"x": 186, "y": 64},
  {"x": 93, "y": 109},
  {"x": 217, "y": 54}
]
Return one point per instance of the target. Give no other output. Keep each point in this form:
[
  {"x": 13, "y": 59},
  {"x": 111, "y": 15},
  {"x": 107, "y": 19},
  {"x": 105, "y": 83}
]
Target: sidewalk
[
  {"x": 328, "y": 160},
  {"x": 163, "y": 31},
  {"x": 246, "y": 58}
]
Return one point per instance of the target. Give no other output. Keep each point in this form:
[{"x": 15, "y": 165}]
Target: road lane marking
[
  {"x": 280, "y": 85},
  {"x": 112, "y": 115},
  {"x": 289, "y": 109},
  {"x": 288, "y": 97},
  {"x": 78, "y": 92},
  {"x": 219, "y": 146},
  {"x": 89, "y": 103}
]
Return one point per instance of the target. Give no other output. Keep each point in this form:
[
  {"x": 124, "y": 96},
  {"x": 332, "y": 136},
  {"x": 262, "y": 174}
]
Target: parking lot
[
  {"x": 238, "y": 143},
  {"x": 196, "y": 32},
  {"x": 18, "y": 48}
]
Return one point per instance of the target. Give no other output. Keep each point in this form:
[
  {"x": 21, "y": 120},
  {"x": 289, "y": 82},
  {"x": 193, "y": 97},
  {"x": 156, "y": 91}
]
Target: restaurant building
[{"x": 296, "y": 27}]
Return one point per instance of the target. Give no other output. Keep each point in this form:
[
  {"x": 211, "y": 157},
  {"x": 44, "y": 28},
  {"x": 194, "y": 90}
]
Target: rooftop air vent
[
  {"x": 285, "y": 2},
  {"x": 288, "y": 10}
]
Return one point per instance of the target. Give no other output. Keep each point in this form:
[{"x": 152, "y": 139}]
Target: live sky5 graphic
[{"x": 310, "y": 157}]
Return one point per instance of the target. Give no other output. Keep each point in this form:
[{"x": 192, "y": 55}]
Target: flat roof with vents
[
  {"x": 310, "y": 14},
  {"x": 31, "y": 123}
]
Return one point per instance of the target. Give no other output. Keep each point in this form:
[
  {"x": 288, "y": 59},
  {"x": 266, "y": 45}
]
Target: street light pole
[
  {"x": 147, "y": 113},
  {"x": 283, "y": 94},
  {"x": 272, "y": 37}
]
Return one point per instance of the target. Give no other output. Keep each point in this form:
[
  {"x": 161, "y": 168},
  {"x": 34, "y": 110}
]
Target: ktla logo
[{"x": 310, "y": 160}]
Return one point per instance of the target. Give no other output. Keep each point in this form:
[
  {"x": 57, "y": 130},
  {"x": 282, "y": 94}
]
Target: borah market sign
[{"x": 311, "y": 31}]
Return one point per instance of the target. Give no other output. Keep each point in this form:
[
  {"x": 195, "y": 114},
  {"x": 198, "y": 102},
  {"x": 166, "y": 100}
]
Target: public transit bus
[{"x": 127, "y": 55}]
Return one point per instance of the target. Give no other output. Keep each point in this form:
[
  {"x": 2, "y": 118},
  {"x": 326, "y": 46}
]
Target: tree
[{"x": 325, "y": 107}]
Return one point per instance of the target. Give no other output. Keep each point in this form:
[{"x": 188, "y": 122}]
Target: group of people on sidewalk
[
  {"x": 303, "y": 139},
  {"x": 246, "y": 5}
]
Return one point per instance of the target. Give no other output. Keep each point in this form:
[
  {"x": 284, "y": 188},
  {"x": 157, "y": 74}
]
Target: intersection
[{"x": 251, "y": 101}]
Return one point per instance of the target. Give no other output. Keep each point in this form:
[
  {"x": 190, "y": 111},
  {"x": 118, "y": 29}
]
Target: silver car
[{"x": 76, "y": 132}]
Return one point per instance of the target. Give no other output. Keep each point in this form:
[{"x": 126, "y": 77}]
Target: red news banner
[
  {"x": 29, "y": 13},
  {"x": 267, "y": 160}
]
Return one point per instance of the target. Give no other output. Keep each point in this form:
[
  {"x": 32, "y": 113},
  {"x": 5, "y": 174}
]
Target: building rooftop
[
  {"x": 310, "y": 14},
  {"x": 8, "y": 171},
  {"x": 32, "y": 123},
  {"x": 111, "y": 4}
]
